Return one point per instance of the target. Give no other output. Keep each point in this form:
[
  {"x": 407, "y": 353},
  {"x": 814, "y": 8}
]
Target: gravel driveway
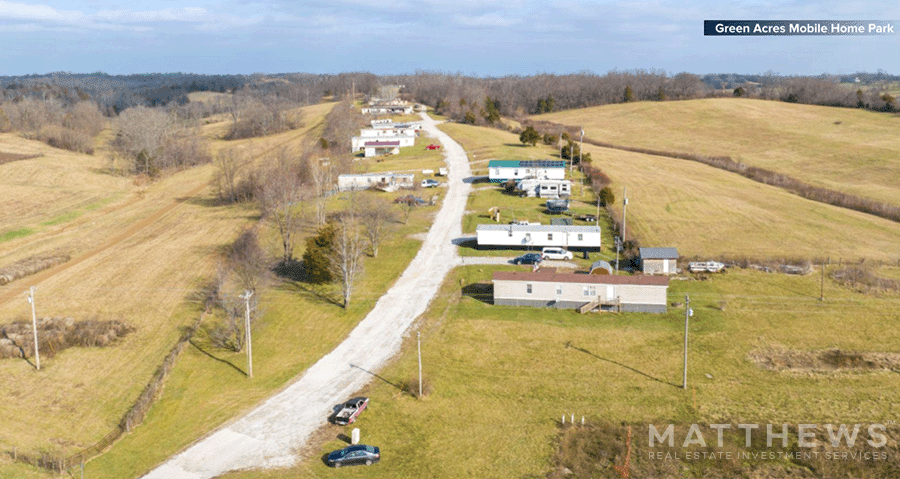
[{"x": 269, "y": 435}]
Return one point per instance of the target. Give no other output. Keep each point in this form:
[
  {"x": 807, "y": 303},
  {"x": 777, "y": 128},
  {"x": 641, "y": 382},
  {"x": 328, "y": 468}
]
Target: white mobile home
[
  {"x": 546, "y": 188},
  {"x": 503, "y": 170},
  {"x": 523, "y": 236},
  {"x": 369, "y": 180},
  {"x": 359, "y": 142},
  {"x": 541, "y": 289},
  {"x": 387, "y": 132}
]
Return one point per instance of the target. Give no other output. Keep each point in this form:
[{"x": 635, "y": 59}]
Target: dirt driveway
[{"x": 269, "y": 435}]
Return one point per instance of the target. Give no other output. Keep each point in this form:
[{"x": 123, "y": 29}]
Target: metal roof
[
  {"x": 389, "y": 173},
  {"x": 540, "y": 228},
  {"x": 659, "y": 253},
  {"x": 546, "y": 277},
  {"x": 527, "y": 164}
]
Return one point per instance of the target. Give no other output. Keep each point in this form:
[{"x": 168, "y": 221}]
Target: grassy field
[
  {"x": 483, "y": 144},
  {"x": 503, "y": 376},
  {"x": 140, "y": 254},
  {"x": 843, "y": 149},
  {"x": 708, "y": 212},
  {"x": 298, "y": 328},
  {"x": 411, "y": 159}
]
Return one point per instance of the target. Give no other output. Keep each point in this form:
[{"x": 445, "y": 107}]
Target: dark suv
[{"x": 529, "y": 258}]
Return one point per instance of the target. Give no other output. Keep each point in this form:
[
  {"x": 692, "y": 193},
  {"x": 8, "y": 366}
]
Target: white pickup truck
[{"x": 349, "y": 411}]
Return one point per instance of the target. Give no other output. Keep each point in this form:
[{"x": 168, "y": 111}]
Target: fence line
[{"x": 131, "y": 419}]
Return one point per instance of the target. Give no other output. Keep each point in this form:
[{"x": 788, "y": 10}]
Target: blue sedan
[{"x": 358, "y": 454}]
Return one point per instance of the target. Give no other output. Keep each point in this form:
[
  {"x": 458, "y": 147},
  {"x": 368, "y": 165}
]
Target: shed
[
  {"x": 659, "y": 260},
  {"x": 601, "y": 267},
  {"x": 569, "y": 291}
]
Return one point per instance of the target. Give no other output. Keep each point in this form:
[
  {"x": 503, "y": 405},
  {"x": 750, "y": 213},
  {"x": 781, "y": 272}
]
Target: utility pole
[
  {"x": 246, "y": 297},
  {"x": 624, "y": 207},
  {"x": 37, "y": 354},
  {"x": 419, "y": 347},
  {"x": 687, "y": 314},
  {"x": 618, "y": 249},
  {"x": 822, "y": 284},
  {"x": 581, "y": 149}
]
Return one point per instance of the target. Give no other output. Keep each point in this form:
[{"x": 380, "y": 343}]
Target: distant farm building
[
  {"x": 540, "y": 289},
  {"x": 504, "y": 170},
  {"x": 523, "y": 236},
  {"x": 387, "y": 109},
  {"x": 371, "y": 180},
  {"x": 659, "y": 260}
]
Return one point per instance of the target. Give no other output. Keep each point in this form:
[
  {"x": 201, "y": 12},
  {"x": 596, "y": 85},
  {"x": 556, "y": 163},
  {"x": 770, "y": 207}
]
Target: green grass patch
[
  {"x": 63, "y": 218},
  {"x": 19, "y": 233},
  {"x": 503, "y": 376},
  {"x": 297, "y": 328}
]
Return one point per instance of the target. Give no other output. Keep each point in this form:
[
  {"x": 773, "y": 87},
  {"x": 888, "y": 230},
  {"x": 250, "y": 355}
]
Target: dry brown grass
[
  {"x": 841, "y": 149},
  {"x": 29, "y": 266},
  {"x": 138, "y": 252}
]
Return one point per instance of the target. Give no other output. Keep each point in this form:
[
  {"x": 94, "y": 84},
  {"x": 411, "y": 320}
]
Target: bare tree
[
  {"x": 346, "y": 256},
  {"x": 229, "y": 163},
  {"x": 281, "y": 192},
  {"x": 322, "y": 175},
  {"x": 376, "y": 216}
]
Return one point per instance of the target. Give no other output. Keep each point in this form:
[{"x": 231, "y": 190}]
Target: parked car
[
  {"x": 353, "y": 455},
  {"x": 588, "y": 218},
  {"x": 523, "y": 222},
  {"x": 553, "y": 252},
  {"x": 432, "y": 147},
  {"x": 350, "y": 411},
  {"x": 557, "y": 206},
  {"x": 529, "y": 258},
  {"x": 429, "y": 183}
]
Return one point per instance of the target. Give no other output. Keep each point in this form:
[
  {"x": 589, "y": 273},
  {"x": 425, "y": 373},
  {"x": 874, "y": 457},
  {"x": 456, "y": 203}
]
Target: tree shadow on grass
[
  {"x": 292, "y": 270},
  {"x": 480, "y": 291},
  {"x": 225, "y": 361},
  {"x": 377, "y": 376},
  {"x": 585, "y": 351}
]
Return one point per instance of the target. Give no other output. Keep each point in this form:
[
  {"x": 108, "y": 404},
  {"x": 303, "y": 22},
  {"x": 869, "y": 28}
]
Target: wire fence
[{"x": 132, "y": 418}]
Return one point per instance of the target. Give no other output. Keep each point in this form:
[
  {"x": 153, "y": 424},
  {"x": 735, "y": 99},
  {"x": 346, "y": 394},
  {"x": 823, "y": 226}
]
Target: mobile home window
[
  {"x": 590, "y": 291},
  {"x": 558, "y": 289},
  {"x": 580, "y": 237},
  {"x": 528, "y": 288},
  {"x": 549, "y": 236}
]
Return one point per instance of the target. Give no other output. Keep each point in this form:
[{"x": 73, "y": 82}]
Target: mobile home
[
  {"x": 541, "y": 289},
  {"x": 524, "y": 236},
  {"x": 504, "y": 170}
]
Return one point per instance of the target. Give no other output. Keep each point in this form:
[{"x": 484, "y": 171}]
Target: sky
[{"x": 483, "y": 38}]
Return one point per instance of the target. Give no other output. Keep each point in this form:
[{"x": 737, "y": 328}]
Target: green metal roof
[{"x": 527, "y": 164}]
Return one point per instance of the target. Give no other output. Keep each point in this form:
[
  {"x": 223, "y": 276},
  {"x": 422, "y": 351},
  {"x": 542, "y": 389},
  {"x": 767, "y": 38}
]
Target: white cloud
[
  {"x": 23, "y": 11},
  {"x": 188, "y": 14}
]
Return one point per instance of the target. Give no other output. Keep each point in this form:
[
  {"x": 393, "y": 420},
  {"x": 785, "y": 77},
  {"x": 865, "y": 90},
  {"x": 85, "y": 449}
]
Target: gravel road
[{"x": 269, "y": 435}]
